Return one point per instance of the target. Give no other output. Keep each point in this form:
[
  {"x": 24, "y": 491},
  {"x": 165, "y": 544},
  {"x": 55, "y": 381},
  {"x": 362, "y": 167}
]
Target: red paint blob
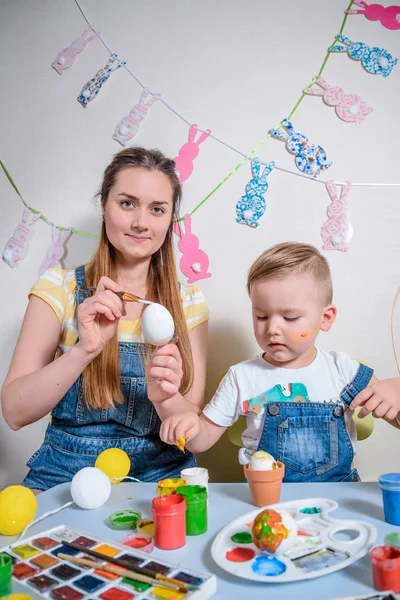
[
  {"x": 240, "y": 554},
  {"x": 137, "y": 542}
]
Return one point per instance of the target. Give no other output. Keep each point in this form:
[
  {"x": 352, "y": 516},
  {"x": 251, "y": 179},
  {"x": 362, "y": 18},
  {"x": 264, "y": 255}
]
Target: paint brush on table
[
  {"x": 86, "y": 562},
  {"x": 184, "y": 587}
]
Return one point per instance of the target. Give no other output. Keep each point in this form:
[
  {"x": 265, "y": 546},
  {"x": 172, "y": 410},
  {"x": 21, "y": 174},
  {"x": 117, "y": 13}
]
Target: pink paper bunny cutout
[
  {"x": 188, "y": 152},
  {"x": 15, "y": 248},
  {"x": 66, "y": 57},
  {"x": 336, "y": 232},
  {"x": 56, "y": 250},
  {"x": 194, "y": 262},
  {"x": 128, "y": 127},
  {"x": 349, "y": 107},
  {"x": 389, "y": 16}
]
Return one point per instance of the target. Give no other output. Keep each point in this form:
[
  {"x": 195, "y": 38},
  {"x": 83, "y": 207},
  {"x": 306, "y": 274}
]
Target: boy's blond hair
[{"x": 292, "y": 258}]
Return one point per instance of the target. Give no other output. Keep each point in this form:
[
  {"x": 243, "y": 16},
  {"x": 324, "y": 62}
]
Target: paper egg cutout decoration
[
  {"x": 90, "y": 488},
  {"x": 18, "y": 506},
  {"x": 115, "y": 463},
  {"x": 274, "y": 532},
  {"x": 157, "y": 324},
  {"x": 262, "y": 461}
]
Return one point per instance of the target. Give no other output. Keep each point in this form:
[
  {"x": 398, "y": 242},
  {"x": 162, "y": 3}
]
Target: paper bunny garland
[
  {"x": 67, "y": 56},
  {"x": 389, "y": 16},
  {"x": 336, "y": 232},
  {"x": 310, "y": 158},
  {"x": 128, "y": 127},
  {"x": 56, "y": 250},
  {"x": 374, "y": 60},
  {"x": 251, "y": 206},
  {"x": 188, "y": 152},
  {"x": 194, "y": 262},
  {"x": 349, "y": 107},
  {"x": 15, "y": 248},
  {"x": 94, "y": 85}
]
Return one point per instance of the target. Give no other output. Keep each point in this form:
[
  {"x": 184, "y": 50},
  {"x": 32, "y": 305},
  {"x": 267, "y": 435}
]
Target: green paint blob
[
  {"x": 312, "y": 510},
  {"x": 124, "y": 519},
  {"x": 138, "y": 585},
  {"x": 243, "y": 537}
]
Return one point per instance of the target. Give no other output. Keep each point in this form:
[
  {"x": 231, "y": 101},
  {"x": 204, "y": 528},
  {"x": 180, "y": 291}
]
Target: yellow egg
[
  {"x": 18, "y": 506},
  {"x": 114, "y": 463}
]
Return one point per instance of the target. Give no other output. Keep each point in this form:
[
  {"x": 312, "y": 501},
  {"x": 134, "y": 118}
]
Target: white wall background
[{"x": 237, "y": 68}]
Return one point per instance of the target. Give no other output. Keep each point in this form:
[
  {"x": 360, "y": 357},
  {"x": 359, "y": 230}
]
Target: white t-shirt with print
[{"x": 251, "y": 384}]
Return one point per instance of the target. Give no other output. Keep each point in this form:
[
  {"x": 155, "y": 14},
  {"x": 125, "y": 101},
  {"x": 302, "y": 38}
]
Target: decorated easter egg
[
  {"x": 115, "y": 463},
  {"x": 90, "y": 488},
  {"x": 274, "y": 531},
  {"x": 18, "y": 506},
  {"x": 157, "y": 324},
  {"x": 262, "y": 461}
]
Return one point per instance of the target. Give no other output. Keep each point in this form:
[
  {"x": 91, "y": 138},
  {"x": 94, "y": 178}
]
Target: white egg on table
[
  {"x": 157, "y": 324},
  {"x": 262, "y": 461}
]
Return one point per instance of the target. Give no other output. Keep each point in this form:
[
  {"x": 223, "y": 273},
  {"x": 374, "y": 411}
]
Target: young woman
[{"x": 80, "y": 354}]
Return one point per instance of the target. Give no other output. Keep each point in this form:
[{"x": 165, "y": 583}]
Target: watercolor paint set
[
  {"x": 55, "y": 564},
  {"x": 322, "y": 545}
]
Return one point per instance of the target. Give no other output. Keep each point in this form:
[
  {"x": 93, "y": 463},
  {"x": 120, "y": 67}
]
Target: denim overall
[
  {"x": 77, "y": 434},
  {"x": 311, "y": 438}
]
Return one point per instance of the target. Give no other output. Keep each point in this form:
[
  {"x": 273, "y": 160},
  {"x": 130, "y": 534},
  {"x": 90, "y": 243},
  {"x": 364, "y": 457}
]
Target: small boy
[{"x": 296, "y": 398}]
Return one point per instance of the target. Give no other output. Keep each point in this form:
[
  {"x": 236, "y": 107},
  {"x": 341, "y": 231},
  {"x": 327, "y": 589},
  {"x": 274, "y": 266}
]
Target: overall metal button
[
  {"x": 338, "y": 411},
  {"x": 273, "y": 410}
]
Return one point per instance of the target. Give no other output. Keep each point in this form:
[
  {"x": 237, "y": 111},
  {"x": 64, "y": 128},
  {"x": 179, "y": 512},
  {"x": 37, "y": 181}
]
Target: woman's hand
[
  {"x": 98, "y": 317},
  {"x": 164, "y": 373}
]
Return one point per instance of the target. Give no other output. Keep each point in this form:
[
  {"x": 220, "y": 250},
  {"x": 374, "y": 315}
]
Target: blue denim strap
[
  {"x": 359, "y": 383},
  {"x": 81, "y": 292}
]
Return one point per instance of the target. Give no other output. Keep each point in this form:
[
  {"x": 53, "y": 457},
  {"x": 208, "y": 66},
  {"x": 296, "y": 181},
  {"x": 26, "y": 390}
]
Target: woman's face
[{"x": 138, "y": 212}]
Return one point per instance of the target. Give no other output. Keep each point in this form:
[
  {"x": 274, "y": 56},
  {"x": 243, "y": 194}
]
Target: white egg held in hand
[
  {"x": 90, "y": 488},
  {"x": 157, "y": 324},
  {"x": 262, "y": 461}
]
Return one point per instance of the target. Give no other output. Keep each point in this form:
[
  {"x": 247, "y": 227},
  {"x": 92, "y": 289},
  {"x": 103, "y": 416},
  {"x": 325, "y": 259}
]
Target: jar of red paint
[
  {"x": 386, "y": 568},
  {"x": 169, "y": 514}
]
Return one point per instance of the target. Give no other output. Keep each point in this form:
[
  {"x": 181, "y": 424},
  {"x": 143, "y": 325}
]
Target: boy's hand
[
  {"x": 381, "y": 398},
  {"x": 183, "y": 425},
  {"x": 164, "y": 373}
]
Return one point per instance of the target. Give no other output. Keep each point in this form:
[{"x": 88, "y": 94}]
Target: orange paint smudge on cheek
[{"x": 303, "y": 334}]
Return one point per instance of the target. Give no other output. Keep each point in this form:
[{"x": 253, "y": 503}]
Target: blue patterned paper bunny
[
  {"x": 251, "y": 206},
  {"x": 310, "y": 158},
  {"x": 374, "y": 60}
]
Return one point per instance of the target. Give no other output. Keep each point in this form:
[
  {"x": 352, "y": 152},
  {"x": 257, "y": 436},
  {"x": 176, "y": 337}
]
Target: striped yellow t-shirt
[{"x": 57, "y": 287}]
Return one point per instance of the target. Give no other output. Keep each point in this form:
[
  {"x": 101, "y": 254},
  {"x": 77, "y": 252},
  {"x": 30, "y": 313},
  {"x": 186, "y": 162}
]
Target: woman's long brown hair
[{"x": 101, "y": 378}]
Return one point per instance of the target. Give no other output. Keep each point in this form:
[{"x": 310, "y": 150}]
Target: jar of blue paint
[{"x": 390, "y": 486}]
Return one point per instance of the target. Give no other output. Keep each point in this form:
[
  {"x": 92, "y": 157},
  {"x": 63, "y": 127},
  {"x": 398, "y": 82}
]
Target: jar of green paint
[
  {"x": 6, "y": 569},
  {"x": 196, "y": 508}
]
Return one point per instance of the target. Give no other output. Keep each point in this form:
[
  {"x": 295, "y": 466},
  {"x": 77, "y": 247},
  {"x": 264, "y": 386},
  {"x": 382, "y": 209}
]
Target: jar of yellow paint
[{"x": 166, "y": 487}]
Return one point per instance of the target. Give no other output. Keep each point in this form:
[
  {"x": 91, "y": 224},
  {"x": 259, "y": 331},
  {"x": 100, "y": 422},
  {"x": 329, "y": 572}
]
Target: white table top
[{"x": 226, "y": 502}]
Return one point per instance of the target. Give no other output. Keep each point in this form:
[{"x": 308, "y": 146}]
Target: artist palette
[
  {"x": 39, "y": 570},
  {"x": 323, "y": 545}
]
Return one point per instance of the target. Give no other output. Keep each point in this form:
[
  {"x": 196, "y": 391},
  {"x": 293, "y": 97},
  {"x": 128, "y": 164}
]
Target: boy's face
[{"x": 287, "y": 316}]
